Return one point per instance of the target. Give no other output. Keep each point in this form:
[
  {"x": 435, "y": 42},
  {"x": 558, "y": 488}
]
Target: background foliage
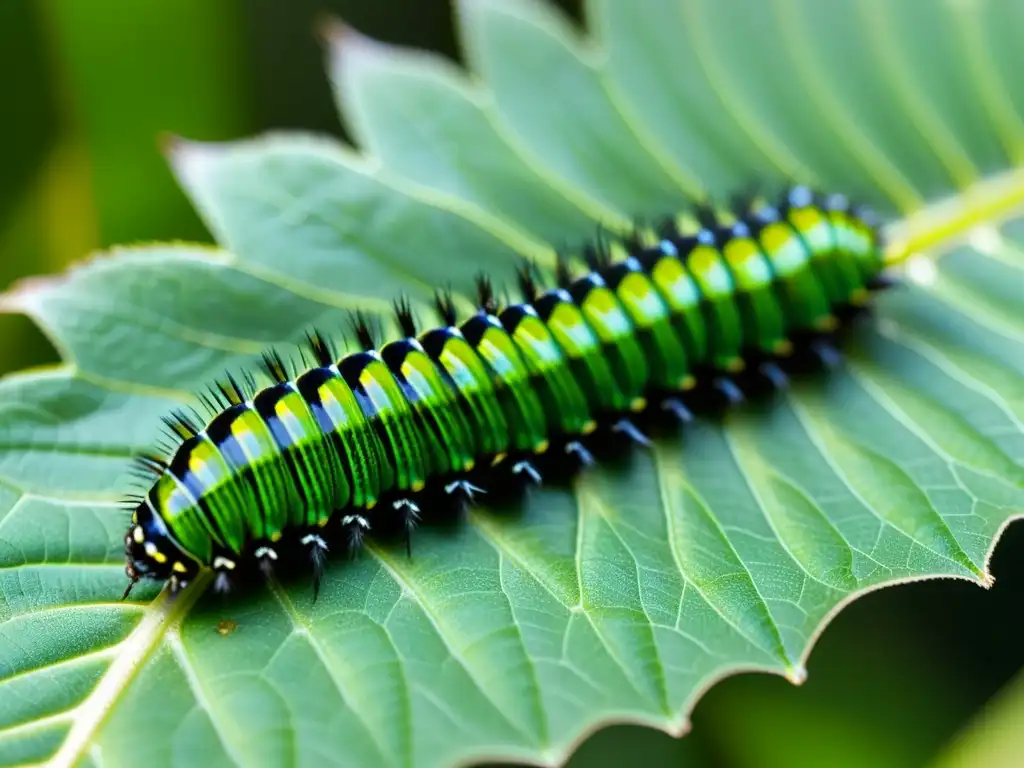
[{"x": 892, "y": 679}]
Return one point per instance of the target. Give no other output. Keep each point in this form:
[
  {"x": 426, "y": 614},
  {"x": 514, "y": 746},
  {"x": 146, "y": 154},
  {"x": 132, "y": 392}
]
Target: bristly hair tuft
[
  {"x": 149, "y": 465},
  {"x": 526, "y": 276},
  {"x": 275, "y": 367},
  {"x": 211, "y": 400},
  {"x": 742, "y": 201},
  {"x": 130, "y": 501},
  {"x": 181, "y": 424},
  {"x": 597, "y": 253},
  {"x": 367, "y": 330},
  {"x": 230, "y": 390},
  {"x": 167, "y": 448},
  {"x": 444, "y": 303},
  {"x": 320, "y": 348},
  {"x": 485, "y": 297},
  {"x": 250, "y": 387},
  {"x": 706, "y": 215},
  {"x": 633, "y": 240},
  {"x": 404, "y": 316},
  {"x": 563, "y": 272},
  {"x": 667, "y": 228}
]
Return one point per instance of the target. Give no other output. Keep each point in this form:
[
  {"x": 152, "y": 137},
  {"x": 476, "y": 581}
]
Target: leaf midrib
[{"x": 168, "y": 612}]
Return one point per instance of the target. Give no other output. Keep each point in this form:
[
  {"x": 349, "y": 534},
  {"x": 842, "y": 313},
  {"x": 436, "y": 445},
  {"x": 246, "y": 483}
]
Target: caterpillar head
[{"x": 151, "y": 553}]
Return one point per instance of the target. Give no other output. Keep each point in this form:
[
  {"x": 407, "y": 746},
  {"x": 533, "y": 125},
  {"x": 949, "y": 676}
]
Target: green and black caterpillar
[{"x": 371, "y": 439}]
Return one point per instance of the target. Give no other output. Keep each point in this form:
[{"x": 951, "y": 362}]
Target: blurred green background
[{"x": 89, "y": 87}]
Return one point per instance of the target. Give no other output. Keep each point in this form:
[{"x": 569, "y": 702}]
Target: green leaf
[
  {"x": 626, "y": 596},
  {"x": 992, "y": 737},
  {"x": 420, "y": 114},
  {"x": 135, "y": 73}
]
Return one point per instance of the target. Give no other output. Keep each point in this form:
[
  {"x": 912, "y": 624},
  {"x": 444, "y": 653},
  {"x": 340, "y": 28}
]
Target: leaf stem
[{"x": 952, "y": 220}]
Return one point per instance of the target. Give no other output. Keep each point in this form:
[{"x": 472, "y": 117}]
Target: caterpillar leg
[
  {"x": 354, "y": 527},
  {"x": 463, "y": 488},
  {"x": 576, "y": 448},
  {"x": 410, "y": 515},
  {"x": 526, "y": 470},
  {"x": 827, "y": 353},
  {"x": 677, "y": 409},
  {"x": 628, "y": 428},
  {"x": 774, "y": 374},
  {"x": 727, "y": 387},
  {"x": 317, "y": 549},
  {"x": 266, "y": 557},
  {"x": 223, "y": 566}
]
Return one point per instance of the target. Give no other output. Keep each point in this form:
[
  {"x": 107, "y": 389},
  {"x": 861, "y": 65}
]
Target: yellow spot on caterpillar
[
  {"x": 783, "y": 348},
  {"x": 827, "y": 323},
  {"x": 417, "y": 486},
  {"x": 688, "y": 382},
  {"x": 275, "y": 536},
  {"x": 371, "y": 504},
  {"x": 138, "y": 535},
  {"x": 323, "y": 521},
  {"x": 179, "y": 567},
  {"x": 226, "y": 627},
  {"x": 860, "y": 297},
  {"x": 498, "y": 459},
  {"x": 155, "y": 553},
  {"x": 638, "y": 404},
  {"x": 135, "y": 517},
  {"x": 541, "y": 446},
  {"x": 468, "y": 466},
  {"x": 735, "y": 365},
  {"x": 589, "y": 427}
]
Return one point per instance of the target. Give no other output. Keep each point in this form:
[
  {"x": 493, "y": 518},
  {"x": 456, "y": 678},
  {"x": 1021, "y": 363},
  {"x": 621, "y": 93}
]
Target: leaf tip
[
  {"x": 168, "y": 143},
  {"x": 330, "y": 30},
  {"x": 185, "y": 157},
  {"x": 342, "y": 40},
  {"x": 21, "y": 297},
  {"x": 9, "y": 300},
  {"x": 681, "y": 728},
  {"x": 797, "y": 675}
]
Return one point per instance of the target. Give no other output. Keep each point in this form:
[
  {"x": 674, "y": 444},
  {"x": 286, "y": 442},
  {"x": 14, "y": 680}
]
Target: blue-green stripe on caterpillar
[{"x": 707, "y": 303}]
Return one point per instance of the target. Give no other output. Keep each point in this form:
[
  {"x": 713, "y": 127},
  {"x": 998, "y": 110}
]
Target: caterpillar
[{"x": 369, "y": 440}]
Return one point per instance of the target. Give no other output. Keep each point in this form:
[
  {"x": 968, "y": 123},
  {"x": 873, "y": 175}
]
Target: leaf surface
[{"x": 627, "y": 595}]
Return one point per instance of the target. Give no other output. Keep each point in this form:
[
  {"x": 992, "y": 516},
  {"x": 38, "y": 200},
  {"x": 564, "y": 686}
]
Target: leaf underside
[{"x": 626, "y": 596}]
